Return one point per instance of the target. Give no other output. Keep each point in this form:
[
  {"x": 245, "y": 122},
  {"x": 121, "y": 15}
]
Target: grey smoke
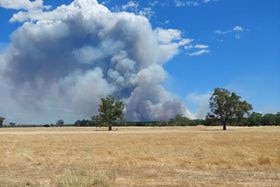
[{"x": 61, "y": 62}]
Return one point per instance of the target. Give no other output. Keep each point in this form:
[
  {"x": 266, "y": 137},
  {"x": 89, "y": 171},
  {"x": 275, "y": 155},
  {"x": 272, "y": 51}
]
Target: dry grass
[{"x": 182, "y": 156}]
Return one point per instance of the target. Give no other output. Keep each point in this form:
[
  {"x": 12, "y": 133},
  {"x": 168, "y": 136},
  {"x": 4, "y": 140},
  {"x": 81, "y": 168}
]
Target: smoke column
[{"x": 60, "y": 63}]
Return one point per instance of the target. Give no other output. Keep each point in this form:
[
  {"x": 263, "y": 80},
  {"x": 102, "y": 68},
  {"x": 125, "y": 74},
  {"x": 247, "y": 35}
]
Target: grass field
[{"x": 175, "y": 156}]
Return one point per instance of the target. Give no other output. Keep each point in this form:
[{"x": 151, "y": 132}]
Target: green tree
[
  {"x": 60, "y": 122},
  {"x": 110, "y": 111},
  {"x": 83, "y": 123},
  {"x": 227, "y": 106},
  {"x": 269, "y": 119},
  {"x": 255, "y": 119},
  {"x": 96, "y": 120},
  {"x": 211, "y": 120},
  {"x": 12, "y": 124},
  {"x": 278, "y": 118},
  {"x": 179, "y": 120},
  {"x": 1, "y": 121},
  {"x": 242, "y": 108}
]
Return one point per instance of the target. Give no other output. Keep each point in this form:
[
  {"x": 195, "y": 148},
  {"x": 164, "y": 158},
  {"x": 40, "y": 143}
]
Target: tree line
[
  {"x": 254, "y": 119},
  {"x": 226, "y": 108}
]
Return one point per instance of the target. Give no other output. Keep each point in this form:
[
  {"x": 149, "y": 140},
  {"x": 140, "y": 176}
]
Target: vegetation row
[{"x": 226, "y": 108}]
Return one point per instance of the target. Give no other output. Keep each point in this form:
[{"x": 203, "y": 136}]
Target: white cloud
[
  {"x": 188, "y": 47},
  {"x": 133, "y": 6},
  {"x": 236, "y": 31},
  {"x": 201, "y": 46},
  {"x": 196, "y": 49},
  {"x": 219, "y": 32},
  {"x": 179, "y": 3},
  {"x": 130, "y": 5},
  {"x": 185, "y": 41},
  {"x": 147, "y": 12},
  {"x": 168, "y": 35},
  {"x": 191, "y": 3},
  {"x": 166, "y": 21},
  {"x": 182, "y": 3},
  {"x": 171, "y": 41},
  {"x": 200, "y": 52},
  {"x": 153, "y": 3},
  {"x": 21, "y": 4},
  {"x": 105, "y": 2}
]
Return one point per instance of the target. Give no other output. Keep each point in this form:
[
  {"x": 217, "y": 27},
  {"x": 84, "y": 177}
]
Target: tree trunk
[
  {"x": 110, "y": 127},
  {"x": 224, "y": 127}
]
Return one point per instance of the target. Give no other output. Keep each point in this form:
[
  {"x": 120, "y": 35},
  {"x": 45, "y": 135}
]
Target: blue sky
[
  {"x": 240, "y": 43},
  {"x": 249, "y": 65}
]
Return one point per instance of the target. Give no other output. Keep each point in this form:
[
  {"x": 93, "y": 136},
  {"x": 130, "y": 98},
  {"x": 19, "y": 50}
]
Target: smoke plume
[{"x": 60, "y": 62}]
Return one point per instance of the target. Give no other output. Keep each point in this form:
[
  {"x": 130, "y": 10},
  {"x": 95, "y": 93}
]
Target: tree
[
  {"x": 110, "y": 111},
  {"x": 179, "y": 120},
  {"x": 242, "y": 108},
  {"x": 227, "y": 106},
  {"x": 278, "y": 118},
  {"x": 95, "y": 120},
  {"x": 60, "y": 122},
  {"x": 269, "y": 119},
  {"x": 1, "y": 121},
  {"x": 12, "y": 124},
  {"x": 211, "y": 120},
  {"x": 255, "y": 119},
  {"x": 83, "y": 123}
]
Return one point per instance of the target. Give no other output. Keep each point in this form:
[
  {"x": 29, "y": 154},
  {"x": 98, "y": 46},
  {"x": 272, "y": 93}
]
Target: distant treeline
[{"x": 254, "y": 119}]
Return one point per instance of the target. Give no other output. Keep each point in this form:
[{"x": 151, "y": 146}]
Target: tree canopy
[
  {"x": 110, "y": 111},
  {"x": 1, "y": 121},
  {"x": 227, "y": 107},
  {"x": 60, "y": 122}
]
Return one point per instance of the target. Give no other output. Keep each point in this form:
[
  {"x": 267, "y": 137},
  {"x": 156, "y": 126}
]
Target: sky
[{"x": 182, "y": 50}]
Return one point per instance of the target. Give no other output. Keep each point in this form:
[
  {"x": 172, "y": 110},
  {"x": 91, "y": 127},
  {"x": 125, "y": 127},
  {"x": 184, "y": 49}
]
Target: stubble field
[{"x": 142, "y": 157}]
